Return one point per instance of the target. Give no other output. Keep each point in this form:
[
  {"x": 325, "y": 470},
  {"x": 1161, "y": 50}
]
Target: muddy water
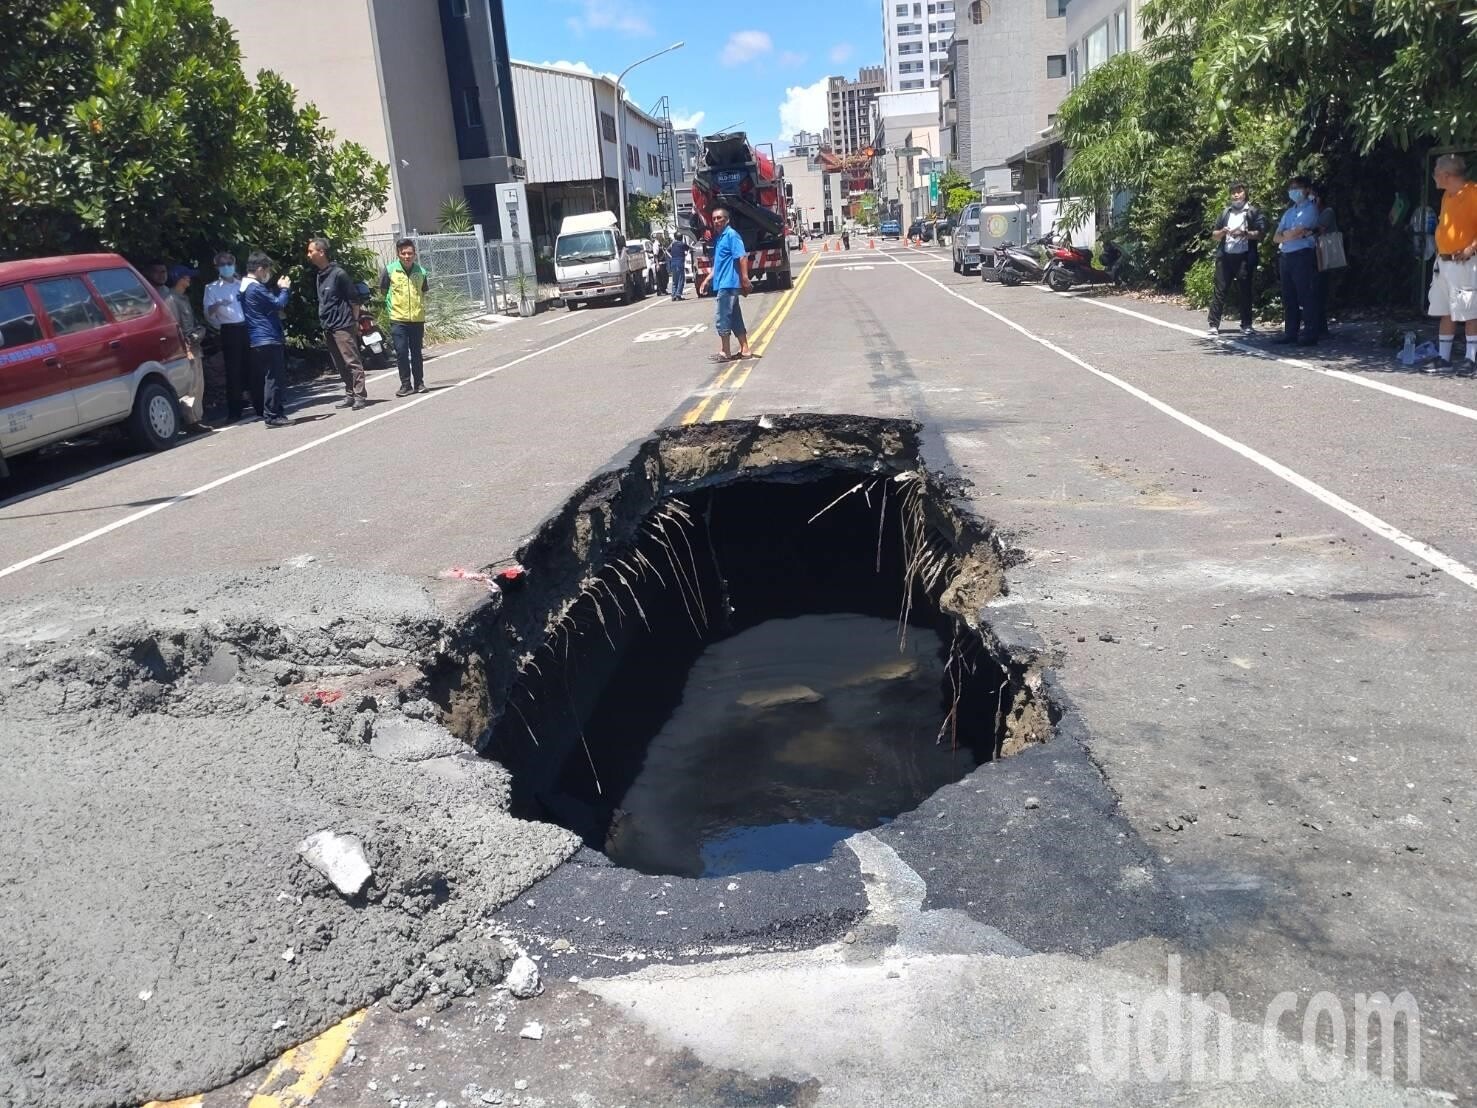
[{"x": 789, "y": 737}]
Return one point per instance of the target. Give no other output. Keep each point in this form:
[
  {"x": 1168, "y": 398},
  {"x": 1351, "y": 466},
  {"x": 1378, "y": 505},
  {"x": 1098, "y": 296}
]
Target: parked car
[
  {"x": 891, "y": 229},
  {"x": 85, "y": 343},
  {"x": 921, "y": 229}
]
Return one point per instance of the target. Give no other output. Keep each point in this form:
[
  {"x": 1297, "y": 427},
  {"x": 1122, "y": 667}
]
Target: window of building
[
  {"x": 633, "y": 157},
  {"x": 1072, "y": 70},
  {"x": 935, "y": 66},
  {"x": 910, "y": 48},
  {"x": 1095, "y": 46},
  {"x": 607, "y": 126},
  {"x": 459, "y": 8},
  {"x": 69, "y": 305},
  {"x": 18, "y": 324},
  {"x": 917, "y": 10},
  {"x": 1120, "y": 32},
  {"x": 122, "y": 292},
  {"x": 908, "y": 86},
  {"x": 471, "y": 107},
  {"x": 1056, "y": 9},
  {"x": 910, "y": 67},
  {"x": 977, "y": 12},
  {"x": 902, "y": 9},
  {"x": 946, "y": 6},
  {"x": 1056, "y": 65}
]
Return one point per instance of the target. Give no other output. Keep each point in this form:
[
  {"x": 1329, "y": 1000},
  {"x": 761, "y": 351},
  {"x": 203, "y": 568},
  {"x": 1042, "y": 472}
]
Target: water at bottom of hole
[{"x": 789, "y": 737}]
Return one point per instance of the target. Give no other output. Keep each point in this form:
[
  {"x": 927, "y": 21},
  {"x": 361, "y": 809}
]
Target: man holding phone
[{"x": 1238, "y": 230}]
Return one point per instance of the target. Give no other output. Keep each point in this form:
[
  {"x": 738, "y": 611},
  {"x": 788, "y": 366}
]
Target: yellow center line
[
  {"x": 783, "y": 311},
  {"x": 775, "y": 313},
  {"x": 313, "y": 1062}
]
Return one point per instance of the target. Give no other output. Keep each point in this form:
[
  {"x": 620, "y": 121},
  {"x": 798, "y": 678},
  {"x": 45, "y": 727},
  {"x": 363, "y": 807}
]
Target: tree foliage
[
  {"x": 1350, "y": 92},
  {"x": 131, "y": 127},
  {"x": 957, "y": 192}
]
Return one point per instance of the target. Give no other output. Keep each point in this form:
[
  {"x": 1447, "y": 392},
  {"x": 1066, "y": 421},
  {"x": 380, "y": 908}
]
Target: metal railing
[{"x": 487, "y": 272}]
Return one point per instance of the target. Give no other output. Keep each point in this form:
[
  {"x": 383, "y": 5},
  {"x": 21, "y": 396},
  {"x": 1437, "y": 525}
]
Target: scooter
[
  {"x": 1016, "y": 265},
  {"x": 371, "y": 342},
  {"x": 1072, "y": 265}
]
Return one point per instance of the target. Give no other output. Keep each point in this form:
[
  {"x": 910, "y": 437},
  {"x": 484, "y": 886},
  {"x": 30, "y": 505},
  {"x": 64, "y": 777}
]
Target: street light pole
[{"x": 620, "y": 118}]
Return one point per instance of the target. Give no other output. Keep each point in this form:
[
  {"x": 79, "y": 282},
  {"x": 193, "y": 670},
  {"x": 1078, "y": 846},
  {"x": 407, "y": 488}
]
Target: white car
[{"x": 646, "y": 250}]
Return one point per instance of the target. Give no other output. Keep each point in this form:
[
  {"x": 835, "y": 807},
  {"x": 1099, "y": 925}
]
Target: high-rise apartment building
[
  {"x": 915, "y": 39},
  {"x": 808, "y": 143},
  {"x": 850, "y": 105}
]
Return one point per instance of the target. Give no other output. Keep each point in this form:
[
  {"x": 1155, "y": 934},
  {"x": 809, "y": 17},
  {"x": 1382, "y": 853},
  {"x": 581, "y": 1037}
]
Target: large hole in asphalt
[{"x": 762, "y": 663}]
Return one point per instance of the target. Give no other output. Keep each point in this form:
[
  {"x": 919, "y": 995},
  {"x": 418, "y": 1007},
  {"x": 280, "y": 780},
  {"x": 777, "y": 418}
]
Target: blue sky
[{"x": 762, "y": 64}]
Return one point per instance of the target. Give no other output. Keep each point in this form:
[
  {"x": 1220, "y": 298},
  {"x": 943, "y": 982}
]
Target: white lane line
[
  {"x": 422, "y": 398},
  {"x": 552, "y": 319},
  {"x": 1297, "y": 363},
  {"x": 100, "y": 470},
  {"x": 1411, "y": 545}
]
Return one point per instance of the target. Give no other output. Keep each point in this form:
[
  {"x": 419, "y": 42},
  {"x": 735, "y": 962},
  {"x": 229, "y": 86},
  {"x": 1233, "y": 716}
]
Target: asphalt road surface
[{"x": 1257, "y": 577}]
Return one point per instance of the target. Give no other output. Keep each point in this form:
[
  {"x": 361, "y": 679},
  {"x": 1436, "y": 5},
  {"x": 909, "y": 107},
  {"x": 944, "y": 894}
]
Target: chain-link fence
[{"x": 488, "y": 273}]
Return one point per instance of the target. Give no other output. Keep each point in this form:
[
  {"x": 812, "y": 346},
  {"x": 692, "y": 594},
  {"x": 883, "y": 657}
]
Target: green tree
[
  {"x": 957, "y": 192},
  {"x": 131, "y": 127},
  {"x": 642, "y": 212},
  {"x": 455, "y": 215}
]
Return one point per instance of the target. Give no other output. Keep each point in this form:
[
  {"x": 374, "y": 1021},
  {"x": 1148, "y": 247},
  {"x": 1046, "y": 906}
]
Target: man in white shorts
[{"x": 1454, "y": 282}]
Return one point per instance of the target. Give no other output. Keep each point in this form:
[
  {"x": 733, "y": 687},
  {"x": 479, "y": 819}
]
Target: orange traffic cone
[
  {"x": 802, "y": 247},
  {"x": 871, "y": 244},
  {"x": 825, "y": 248}
]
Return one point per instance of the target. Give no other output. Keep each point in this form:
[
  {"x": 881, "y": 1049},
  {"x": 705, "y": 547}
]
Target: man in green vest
[{"x": 404, "y": 284}]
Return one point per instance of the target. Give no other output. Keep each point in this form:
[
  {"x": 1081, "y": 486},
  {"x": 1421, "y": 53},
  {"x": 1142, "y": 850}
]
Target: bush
[
  {"x": 1200, "y": 283},
  {"x": 449, "y": 314}
]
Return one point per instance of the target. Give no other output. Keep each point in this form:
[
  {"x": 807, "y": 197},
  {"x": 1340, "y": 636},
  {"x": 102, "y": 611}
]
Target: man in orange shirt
[{"x": 1454, "y": 283}]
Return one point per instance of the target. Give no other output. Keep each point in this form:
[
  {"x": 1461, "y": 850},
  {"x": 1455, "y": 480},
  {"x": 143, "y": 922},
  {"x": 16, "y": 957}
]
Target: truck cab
[{"x": 591, "y": 261}]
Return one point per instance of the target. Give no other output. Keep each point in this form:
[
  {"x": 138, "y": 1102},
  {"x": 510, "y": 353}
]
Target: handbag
[{"x": 1331, "y": 251}]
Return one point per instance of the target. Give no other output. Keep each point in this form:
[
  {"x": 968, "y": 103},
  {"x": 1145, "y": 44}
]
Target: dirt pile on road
[{"x": 167, "y": 751}]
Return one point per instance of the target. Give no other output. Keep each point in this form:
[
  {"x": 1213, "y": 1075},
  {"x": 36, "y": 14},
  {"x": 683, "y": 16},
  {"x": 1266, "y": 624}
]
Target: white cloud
[
  {"x": 683, "y": 122},
  {"x": 609, "y": 15},
  {"x": 841, "y": 52},
  {"x": 805, "y": 108},
  {"x": 745, "y": 46}
]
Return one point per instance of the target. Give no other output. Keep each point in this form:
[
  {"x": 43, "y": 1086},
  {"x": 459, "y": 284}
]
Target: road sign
[{"x": 933, "y": 189}]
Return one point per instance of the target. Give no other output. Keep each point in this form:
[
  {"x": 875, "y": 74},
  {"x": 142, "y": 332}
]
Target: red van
[{"x": 86, "y": 342}]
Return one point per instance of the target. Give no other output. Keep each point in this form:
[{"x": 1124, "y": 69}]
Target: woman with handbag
[{"x": 1328, "y": 226}]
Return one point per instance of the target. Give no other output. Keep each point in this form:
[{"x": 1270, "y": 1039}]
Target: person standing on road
[
  {"x": 1296, "y": 237},
  {"x": 1453, "y": 295},
  {"x": 845, "y": 239},
  {"x": 178, "y": 300},
  {"x": 663, "y": 270},
  {"x": 1238, "y": 230},
  {"x": 223, "y": 314},
  {"x": 262, "y": 308},
  {"x": 404, "y": 283},
  {"x": 729, "y": 279},
  {"x": 1328, "y": 223},
  {"x": 337, "y": 314},
  {"x": 677, "y": 266}
]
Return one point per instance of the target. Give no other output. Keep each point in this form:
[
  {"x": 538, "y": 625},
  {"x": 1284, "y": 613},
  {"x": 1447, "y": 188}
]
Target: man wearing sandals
[{"x": 729, "y": 278}]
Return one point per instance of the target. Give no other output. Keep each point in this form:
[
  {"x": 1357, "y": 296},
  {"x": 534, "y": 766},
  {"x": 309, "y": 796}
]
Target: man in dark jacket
[
  {"x": 262, "y": 307},
  {"x": 677, "y": 265},
  {"x": 340, "y": 319},
  {"x": 1238, "y": 230}
]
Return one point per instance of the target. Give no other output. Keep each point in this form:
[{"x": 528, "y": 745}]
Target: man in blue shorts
[{"x": 729, "y": 278}]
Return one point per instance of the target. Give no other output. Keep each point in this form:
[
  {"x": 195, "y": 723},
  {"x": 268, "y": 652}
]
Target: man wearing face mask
[
  {"x": 1297, "y": 239},
  {"x": 223, "y": 313},
  {"x": 1238, "y": 230}
]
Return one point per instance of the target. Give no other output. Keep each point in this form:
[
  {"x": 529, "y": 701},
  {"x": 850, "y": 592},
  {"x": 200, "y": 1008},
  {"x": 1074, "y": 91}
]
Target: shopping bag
[{"x": 1331, "y": 251}]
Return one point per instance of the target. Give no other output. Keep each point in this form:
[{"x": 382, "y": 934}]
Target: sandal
[{"x": 721, "y": 358}]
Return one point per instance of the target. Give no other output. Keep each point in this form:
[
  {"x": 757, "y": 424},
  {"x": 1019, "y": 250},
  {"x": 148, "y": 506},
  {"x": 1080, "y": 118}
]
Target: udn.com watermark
[{"x": 1172, "y": 1036}]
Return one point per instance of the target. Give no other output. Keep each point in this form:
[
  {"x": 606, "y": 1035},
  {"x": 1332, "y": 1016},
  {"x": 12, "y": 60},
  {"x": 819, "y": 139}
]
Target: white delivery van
[{"x": 591, "y": 261}]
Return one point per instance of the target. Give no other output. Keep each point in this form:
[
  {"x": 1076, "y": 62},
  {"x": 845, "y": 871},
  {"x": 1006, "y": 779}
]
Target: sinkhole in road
[{"x": 763, "y": 659}]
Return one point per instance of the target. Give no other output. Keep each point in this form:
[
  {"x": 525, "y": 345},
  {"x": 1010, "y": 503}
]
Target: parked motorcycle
[
  {"x": 1018, "y": 264},
  {"x": 371, "y": 341},
  {"x": 1072, "y": 265}
]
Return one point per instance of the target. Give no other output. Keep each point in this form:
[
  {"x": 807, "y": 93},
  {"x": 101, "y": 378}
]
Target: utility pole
[{"x": 620, "y": 117}]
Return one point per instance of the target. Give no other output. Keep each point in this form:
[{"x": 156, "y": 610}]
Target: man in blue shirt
[
  {"x": 1297, "y": 240},
  {"x": 729, "y": 278}
]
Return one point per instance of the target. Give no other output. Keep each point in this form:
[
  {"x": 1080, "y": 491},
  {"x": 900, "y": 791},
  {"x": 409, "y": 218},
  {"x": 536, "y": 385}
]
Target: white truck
[{"x": 591, "y": 261}]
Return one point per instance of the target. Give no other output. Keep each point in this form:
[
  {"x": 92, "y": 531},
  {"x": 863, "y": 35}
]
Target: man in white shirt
[
  {"x": 224, "y": 315},
  {"x": 1238, "y": 230}
]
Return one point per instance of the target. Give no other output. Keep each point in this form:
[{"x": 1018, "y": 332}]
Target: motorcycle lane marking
[
  {"x": 367, "y": 421},
  {"x": 1370, "y": 522}
]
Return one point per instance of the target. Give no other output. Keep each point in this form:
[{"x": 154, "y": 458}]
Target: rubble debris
[
  {"x": 523, "y": 978},
  {"x": 532, "y": 1030},
  {"x": 340, "y": 858}
]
